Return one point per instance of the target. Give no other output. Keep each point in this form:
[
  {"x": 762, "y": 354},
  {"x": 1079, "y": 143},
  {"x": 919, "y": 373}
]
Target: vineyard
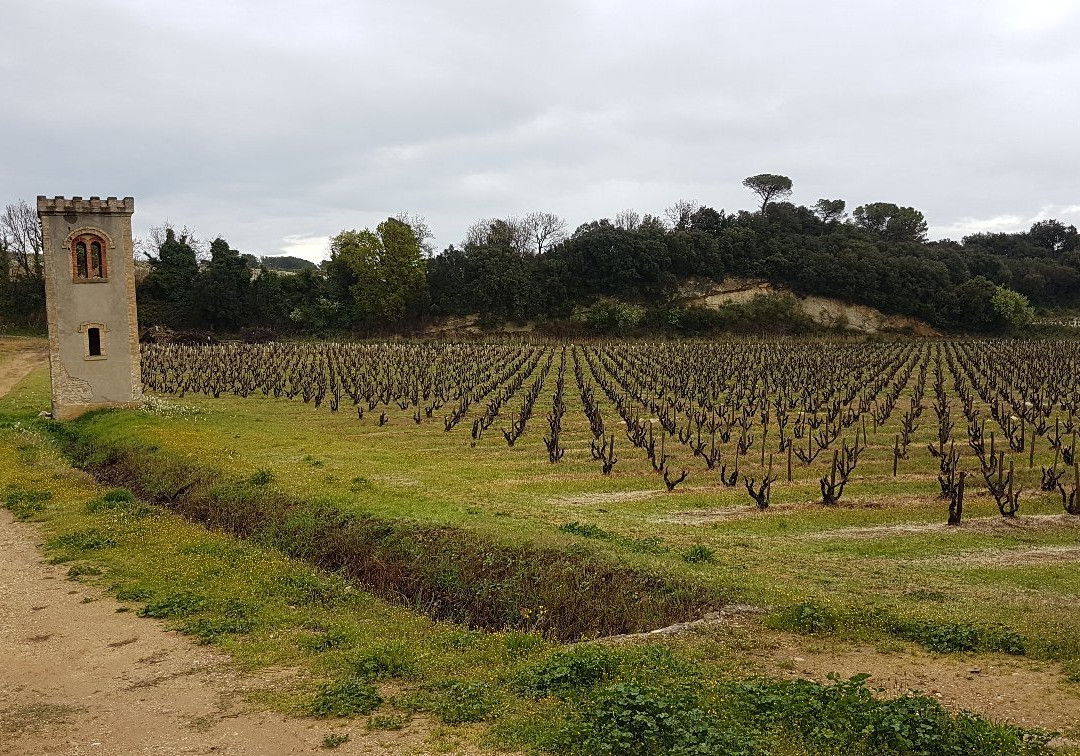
[
  {"x": 998, "y": 419},
  {"x": 548, "y": 537}
]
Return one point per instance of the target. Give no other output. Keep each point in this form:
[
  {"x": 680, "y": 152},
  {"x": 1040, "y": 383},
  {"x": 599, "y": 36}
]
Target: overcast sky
[{"x": 277, "y": 124}]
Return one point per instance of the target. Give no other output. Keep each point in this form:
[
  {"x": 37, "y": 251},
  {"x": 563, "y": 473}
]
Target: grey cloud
[{"x": 270, "y": 121}]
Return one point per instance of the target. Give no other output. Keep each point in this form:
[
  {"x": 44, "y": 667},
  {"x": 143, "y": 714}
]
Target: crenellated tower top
[{"x": 111, "y": 205}]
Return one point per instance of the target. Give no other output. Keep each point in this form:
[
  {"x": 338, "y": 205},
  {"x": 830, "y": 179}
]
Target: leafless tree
[
  {"x": 544, "y": 230},
  {"x": 20, "y": 236},
  {"x": 627, "y": 220},
  {"x": 678, "y": 215},
  {"x": 509, "y": 232},
  {"x": 148, "y": 246},
  {"x": 420, "y": 227}
]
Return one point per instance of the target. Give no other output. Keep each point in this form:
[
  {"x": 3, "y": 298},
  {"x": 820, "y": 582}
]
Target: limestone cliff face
[{"x": 824, "y": 310}]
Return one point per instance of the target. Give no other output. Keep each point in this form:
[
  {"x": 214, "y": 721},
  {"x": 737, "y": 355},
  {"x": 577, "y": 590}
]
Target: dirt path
[
  {"x": 16, "y": 365},
  {"x": 76, "y": 677}
]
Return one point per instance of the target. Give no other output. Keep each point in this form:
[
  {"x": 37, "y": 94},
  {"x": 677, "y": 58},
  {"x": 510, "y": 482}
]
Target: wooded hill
[{"x": 607, "y": 274}]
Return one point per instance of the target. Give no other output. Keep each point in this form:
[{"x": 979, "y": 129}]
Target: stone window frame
[
  {"x": 89, "y": 236},
  {"x": 85, "y": 330}
]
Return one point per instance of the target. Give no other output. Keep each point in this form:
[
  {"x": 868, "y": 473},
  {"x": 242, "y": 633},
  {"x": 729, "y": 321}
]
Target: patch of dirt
[
  {"x": 998, "y": 525},
  {"x": 709, "y": 516},
  {"x": 1003, "y": 688},
  {"x": 1010, "y": 557},
  {"x": 600, "y": 499},
  {"x": 16, "y": 365},
  {"x": 82, "y": 678},
  {"x": 1022, "y": 691}
]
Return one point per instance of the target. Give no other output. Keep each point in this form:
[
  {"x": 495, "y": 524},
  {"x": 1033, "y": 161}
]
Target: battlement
[{"x": 51, "y": 205}]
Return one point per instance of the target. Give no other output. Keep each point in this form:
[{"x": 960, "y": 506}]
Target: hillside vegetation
[{"x": 630, "y": 269}]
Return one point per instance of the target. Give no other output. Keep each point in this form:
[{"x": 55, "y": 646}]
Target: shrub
[{"x": 607, "y": 315}]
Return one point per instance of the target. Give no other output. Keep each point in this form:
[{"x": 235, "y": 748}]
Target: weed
[
  {"x": 131, "y": 592},
  {"x": 28, "y": 454},
  {"x": 1071, "y": 670},
  {"x": 77, "y": 571},
  {"x": 698, "y": 553},
  {"x": 387, "y": 722},
  {"x": 462, "y": 701},
  {"x": 345, "y": 698},
  {"x": 585, "y": 530},
  {"x": 807, "y": 617},
  {"x": 327, "y": 641},
  {"x": 333, "y": 740},
  {"x": 627, "y": 719},
  {"x": 174, "y": 605},
  {"x": 119, "y": 501},
  {"x": 646, "y": 545},
  {"x": 390, "y": 661},
  {"x": 208, "y": 630},
  {"x": 26, "y": 505},
  {"x": 89, "y": 539},
  {"x": 520, "y": 644},
  {"x": 950, "y": 637},
  {"x": 565, "y": 672},
  {"x": 824, "y": 717},
  {"x": 304, "y": 588},
  {"x": 261, "y": 477},
  {"x": 35, "y": 717}
]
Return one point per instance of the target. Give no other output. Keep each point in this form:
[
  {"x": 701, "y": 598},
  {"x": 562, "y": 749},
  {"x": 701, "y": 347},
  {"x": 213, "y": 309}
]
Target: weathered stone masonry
[{"x": 90, "y": 303}]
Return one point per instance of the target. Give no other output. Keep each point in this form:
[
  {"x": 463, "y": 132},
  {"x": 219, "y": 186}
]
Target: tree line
[{"x": 627, "y": 270}]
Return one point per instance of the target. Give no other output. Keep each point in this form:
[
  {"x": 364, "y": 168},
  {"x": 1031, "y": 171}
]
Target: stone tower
[{"x": 90, "y": 303}]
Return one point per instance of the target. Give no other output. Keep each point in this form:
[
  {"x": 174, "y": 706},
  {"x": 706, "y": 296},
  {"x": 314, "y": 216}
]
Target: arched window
[
  {"x": 80, "y": 260},
  {"x": 88, "y": 258}
]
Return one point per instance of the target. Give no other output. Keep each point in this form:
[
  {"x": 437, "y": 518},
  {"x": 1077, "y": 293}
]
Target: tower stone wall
[{"x": 90, "y": 303}]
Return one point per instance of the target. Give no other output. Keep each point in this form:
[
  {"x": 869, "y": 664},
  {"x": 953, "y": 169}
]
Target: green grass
[
  {"x": 795, "y": 551},
  {"x": 271, "y": 602}
]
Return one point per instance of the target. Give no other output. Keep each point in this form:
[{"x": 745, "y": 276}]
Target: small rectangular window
[{"x": 94, "y": 337}]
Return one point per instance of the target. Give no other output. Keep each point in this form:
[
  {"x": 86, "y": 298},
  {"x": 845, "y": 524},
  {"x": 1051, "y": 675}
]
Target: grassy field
[{"x": 879, "y": 569}]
